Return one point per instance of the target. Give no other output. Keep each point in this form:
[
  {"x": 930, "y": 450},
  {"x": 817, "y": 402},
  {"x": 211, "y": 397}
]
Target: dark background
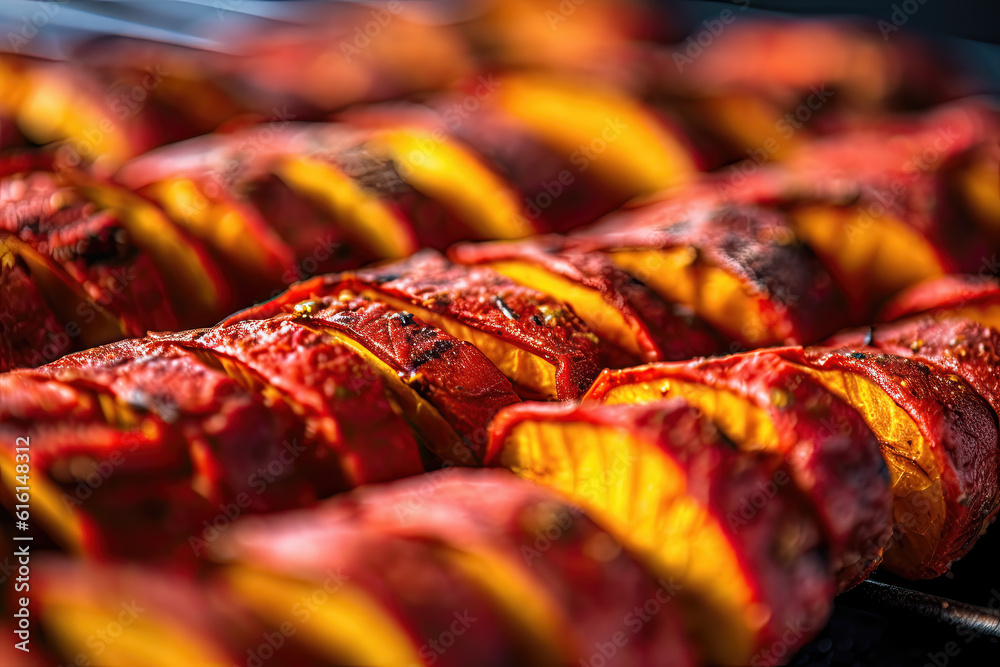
[{"x": 972, "y": 19}]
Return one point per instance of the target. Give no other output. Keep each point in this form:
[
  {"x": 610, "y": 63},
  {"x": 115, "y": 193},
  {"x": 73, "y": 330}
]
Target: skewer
[{"x": 878, "y": 597}]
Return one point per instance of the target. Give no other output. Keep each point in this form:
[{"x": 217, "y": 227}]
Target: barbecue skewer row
[
  {"x": 734, "y": 523},
  {"x": 256, "y": 415},
  {"x": 889, "y": 203},
  {"x": 454, "y": 568},
  {"x": 120, "y": 97},
  {"x": 721, "y": 92},
  {"x": 259, "y": 207},
  {"x": 305, "y": 577},
  {"x": 241, "y": 215},
  {"x": 539, "y": 342},
  {"x": 187, "y": 234},
  {"x": 341, "y": 381},
  {"x": 81, "y": 253},
  {"x": 573, "y": 149},
  {"x": 786, "y": 255},
  {"x": 114, "y": 98},
  {"x": 826, "y": 412},
  {"x": 370, "y": 376},
  {"x": 336, "y": 357},
  {"x": 694, "y": 244}
]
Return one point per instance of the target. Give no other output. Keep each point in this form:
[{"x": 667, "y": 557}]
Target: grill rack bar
[{"x": 891, "y": 600}]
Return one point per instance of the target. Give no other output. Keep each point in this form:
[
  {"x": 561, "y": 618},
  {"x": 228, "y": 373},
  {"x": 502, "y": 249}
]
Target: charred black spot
[
  {"x": 442, "y": 300},
  {"x": 537, "y": 320},
  {"x": 405, "y": 318},
  {"x": 381, "y": 278},
  {"x": 97, "y": 244},
  {"x": 505, "y": 309},
  {"x": 858, "y": 355},
  {"x": 679, "y": 228},
  {"x": 439, "y": 348},
  {"x": 139, "y": 401},
  {"x": 343, "y": 317},
  {"x": 372, "y": 172}
]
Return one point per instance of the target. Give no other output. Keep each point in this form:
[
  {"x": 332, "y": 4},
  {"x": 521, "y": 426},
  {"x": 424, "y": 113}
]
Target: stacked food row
[
  {"x": 101, "y": 242},
  {"x": 754, "y": 484},
  {"x": 668, "y": 513},
  {"x": 218, "y": 222}
]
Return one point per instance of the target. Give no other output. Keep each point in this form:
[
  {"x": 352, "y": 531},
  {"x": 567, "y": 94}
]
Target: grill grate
[{"x": 891, "y": 622}]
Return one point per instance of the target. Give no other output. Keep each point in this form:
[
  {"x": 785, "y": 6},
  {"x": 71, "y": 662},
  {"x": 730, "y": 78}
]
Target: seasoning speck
[
  {"x": 307, "y": 307},
  {"x": 779, "y": 398}
]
